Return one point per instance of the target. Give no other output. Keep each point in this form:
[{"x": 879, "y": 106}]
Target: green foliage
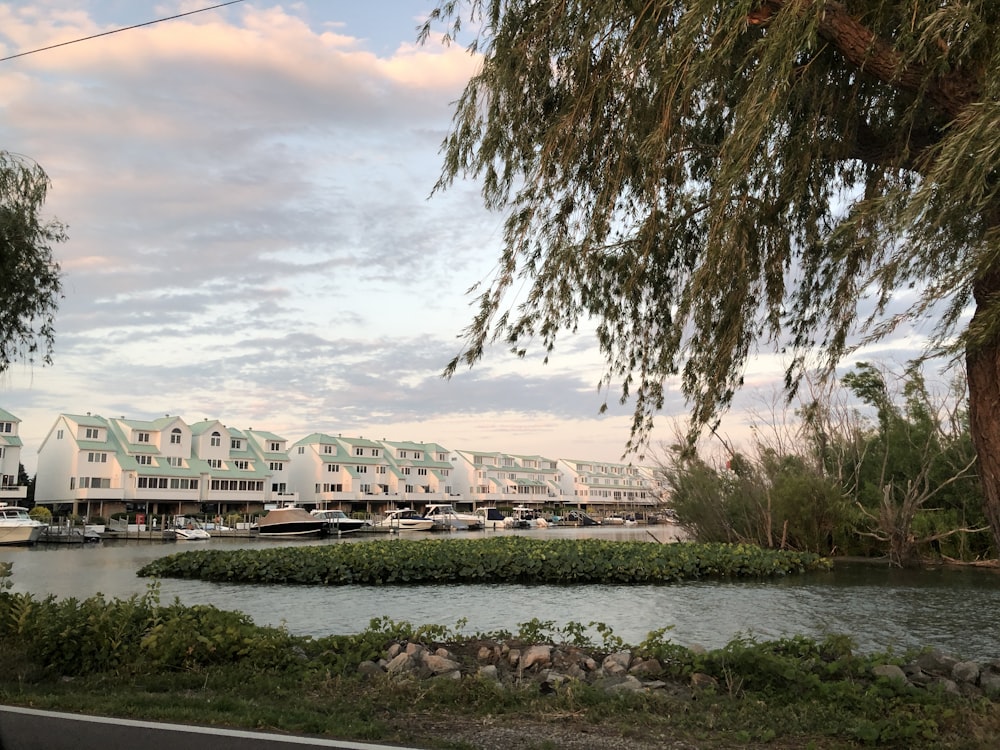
[
  {"x": 511, "y": 559},
  {"x": 41, "y": 513},
  {"x": 30, "y": 284}
]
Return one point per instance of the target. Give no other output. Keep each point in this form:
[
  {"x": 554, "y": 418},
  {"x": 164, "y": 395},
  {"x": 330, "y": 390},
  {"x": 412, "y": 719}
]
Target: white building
[
  {"x": 362, "y": 475},
  {"x": 10, "y": 459},
  {"x": 595, "y": 485},
  {"x": 99, "y": 466},
  {"x": 507, "y": 479}
]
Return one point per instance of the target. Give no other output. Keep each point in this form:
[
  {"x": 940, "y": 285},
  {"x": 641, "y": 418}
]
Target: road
[{"x": 30, "y": 729}]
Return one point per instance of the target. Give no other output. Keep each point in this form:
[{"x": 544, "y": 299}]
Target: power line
[{"x": 115, "y": 31}]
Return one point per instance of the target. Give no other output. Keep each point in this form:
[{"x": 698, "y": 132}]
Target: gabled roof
[{"x": 6, "y": 416}]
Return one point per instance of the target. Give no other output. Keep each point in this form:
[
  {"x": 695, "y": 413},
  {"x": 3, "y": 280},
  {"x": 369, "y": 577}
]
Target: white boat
[
  {"x": 289, "y": 521},
  {"x": 17, "y": 527},
  {"x": 191, "y": 534},
  {"x": 491, "y": 518},
  {"x": 446, "y": 516},
  {"x": 523, "y": 517},
  {"x": 404, "y": 519},
  {"x": 338, "y": 522}
]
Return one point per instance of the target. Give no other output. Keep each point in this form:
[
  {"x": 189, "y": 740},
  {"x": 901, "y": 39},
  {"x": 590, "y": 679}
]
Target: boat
[
  {"x": 191, "y": 533},
  {"x": 578, "y": 517},
  {"x": 338, "y": 522},
  {"x": 523, "y": 517},
  {"x": 446, "y": 516},
  {"x": 289, "y": 521},
  {"x": 404, "y": 519},
  {"x": 17, "y": 527},
  {"x": 491, "y": 518}
]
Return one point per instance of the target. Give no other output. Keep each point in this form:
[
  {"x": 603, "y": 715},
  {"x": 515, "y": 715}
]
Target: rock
[
  {"x": 489, "y": 672},
  {"x": 630, "y": 683},
  {"x": 415, "y": 650},
  {"x": 536, "y": 655},
  {"x": 966, "y": 671},
  {"x": 394, "y": 649},
  {"x": 936, "y": 663},
  {"x": 401, "y": 662},
  {"x": 989, "y": 681},
  {"x": 890, "y": 671},
  {"x": 646, "y": 667},
  {"x": 369, "y": 669},
  {"x": 702, "y": 681},
  {"x": 485, "y": 654},
  {"x": 438, "y": 664},
  {"x": 616, "y": 663}
]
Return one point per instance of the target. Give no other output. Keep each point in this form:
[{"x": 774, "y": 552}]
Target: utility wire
[{"x": 115, "y": 31}]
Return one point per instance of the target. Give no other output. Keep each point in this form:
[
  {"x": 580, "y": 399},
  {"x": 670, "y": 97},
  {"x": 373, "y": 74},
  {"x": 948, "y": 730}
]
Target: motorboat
[
  {"x": 523, "y": 517},
  {"x": 578, "y": 517},
  {"x": 338, "y": 522},
  {"x": 290, "y": 521},
  {"x": 17, "y": 527},
  {"x": 191, "y": 534},
  {"x": 491, "y": 518},
  {"x": 404, "y": 519},
  {"x": 446, "y": 516}
]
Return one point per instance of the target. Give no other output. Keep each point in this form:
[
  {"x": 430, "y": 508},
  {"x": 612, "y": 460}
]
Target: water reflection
[{"x": 955, "y": 611}]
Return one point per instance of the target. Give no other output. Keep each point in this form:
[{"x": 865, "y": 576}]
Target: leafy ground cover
[{"x": 494, "y": 560}]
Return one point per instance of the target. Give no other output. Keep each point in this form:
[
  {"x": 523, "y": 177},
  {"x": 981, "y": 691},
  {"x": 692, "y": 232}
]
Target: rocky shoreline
[{"x": 548, "y": 667}]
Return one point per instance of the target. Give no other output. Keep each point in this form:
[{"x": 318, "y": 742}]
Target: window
[
  {"x": 409, "y": 488},
  {"x": 361, "y": 469},
  {"x": 406, "y": 470},
  {"x": 142, "y": 437},
  {"x": 215, "y": 463},
  {"x": 275, "y": 447},
  {"x": 59, "y": 436},
  {"x": 216, "y": 440},
  {"x": 359, "y": 451},
  {"x": 366, "y": 489},
  {"x": 1, "y": 455},
  {"x": 72, "y": 483},
  {"x": 442, "y": 457},
  {"x": 276, "y": 466},
  {"x": 6, "y": 426},
  {"x": 380, "y": 469},
  {"x": 242, "y": 464},
  {"x": 417, "y": 455},
  {"x": 402, "y": 454},
  {"x": 144, "y": 460},
  {"x": 278, "y": 487},
  {"x": 421, "y": 472},
  {"x": 236, "y": 444},
  {"x": 175, "y": 436},
  {"x": 445, "y": 472},
  {"x": 328, "y": 449},
  {"x": 376, "y": 452},
  {"x": 175, "y": 461},
  {"x": 317, "y": 487},
  {"x": 333, "y": 467},
  {"x": 97, "y": 458},
  {"x": 302, "y": 450}
]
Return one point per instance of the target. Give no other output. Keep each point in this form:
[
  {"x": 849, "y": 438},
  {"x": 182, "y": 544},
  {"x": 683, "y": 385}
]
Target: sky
[{"x": 252, "y": 235}]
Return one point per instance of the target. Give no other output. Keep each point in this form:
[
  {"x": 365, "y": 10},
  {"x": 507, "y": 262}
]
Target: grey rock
[
  {"x": 966, "y": 671},
  {"x": 401, "y": 662},
  {"x": 890, "y": 671}
]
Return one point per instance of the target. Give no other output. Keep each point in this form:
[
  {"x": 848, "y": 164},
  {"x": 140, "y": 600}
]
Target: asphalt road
[{"x": 29, "y": 729}]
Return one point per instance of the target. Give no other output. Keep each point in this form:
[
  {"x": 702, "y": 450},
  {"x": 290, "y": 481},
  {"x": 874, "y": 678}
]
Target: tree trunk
[{"x": 982, "y": 361}]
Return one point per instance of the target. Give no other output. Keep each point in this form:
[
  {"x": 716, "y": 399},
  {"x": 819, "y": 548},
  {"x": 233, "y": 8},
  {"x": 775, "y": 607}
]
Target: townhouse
[
  {"x": 10, "y": 459},
  {"x": 360, "y": 475},
  {"x": 98, "y": 466},
  {"x": 495, "y": 478},
  {"x": 593, "y": 485}
]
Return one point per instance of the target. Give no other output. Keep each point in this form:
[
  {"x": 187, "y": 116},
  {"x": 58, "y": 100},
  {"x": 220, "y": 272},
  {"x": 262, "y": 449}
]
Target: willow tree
[
  {"x": 30, "y": 286},
  {"x": 706, "y": 178}
]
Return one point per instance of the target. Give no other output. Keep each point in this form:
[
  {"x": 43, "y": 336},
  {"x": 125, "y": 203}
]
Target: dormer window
[
  {"x": 142, "y": 437},
  {"x": 215, "y": 440},
  {"x": 175, "y": 436},
  {"x": 242, "y": 465},
  {"x": 236, "y": 444},
  {"x": 92, "y": 433},
  {"x": 275, "y": 447}
]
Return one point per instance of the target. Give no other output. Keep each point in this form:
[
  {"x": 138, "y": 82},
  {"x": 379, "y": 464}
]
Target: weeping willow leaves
[{"x": 30, "y": 286}]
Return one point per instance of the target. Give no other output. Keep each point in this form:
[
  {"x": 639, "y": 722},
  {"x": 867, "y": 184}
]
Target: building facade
[{"x": 10, "y": 460}]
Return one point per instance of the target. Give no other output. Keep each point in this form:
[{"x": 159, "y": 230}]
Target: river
[{"x": 957, "y": 611}]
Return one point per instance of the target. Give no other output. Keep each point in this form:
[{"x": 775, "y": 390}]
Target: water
[{"x": 953, "y": 610}]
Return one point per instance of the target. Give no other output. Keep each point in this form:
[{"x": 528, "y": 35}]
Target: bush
[{"x": 41, "y": 513}]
